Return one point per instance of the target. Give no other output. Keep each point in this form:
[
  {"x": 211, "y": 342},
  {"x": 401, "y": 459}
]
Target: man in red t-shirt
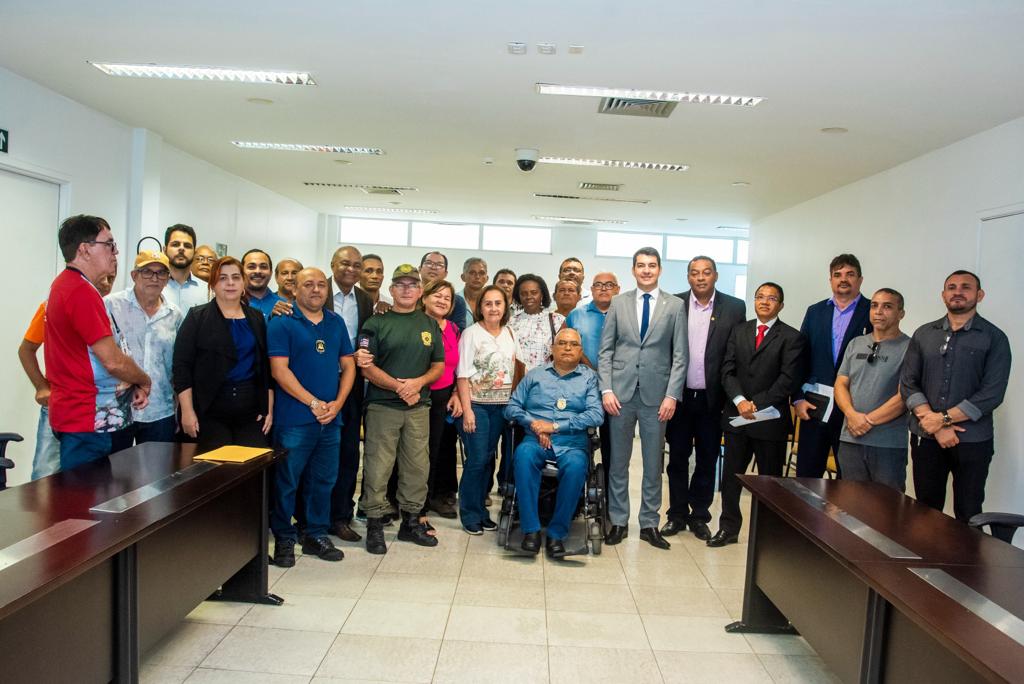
[{"x": 83, "y": 362}]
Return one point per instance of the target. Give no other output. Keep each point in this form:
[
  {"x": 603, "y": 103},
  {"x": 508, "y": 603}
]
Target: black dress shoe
[
  {"x": 344, "y": 532},
  {"x": 722, "y": 538},
  {"x": 322, "y": 548},
  {"x": 652, "y": 536},
  {"x": 700, "y": 530},
  {"x": 531, "y": 542},
  {"x": 616, "y": 534},
  {"x": 555, "y": 548},
  {"x": 672, "y": 528},
  {"x": 284, "y": 553}
]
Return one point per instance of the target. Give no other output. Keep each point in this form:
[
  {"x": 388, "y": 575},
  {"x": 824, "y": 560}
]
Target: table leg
[{"x": 126, "y": 601}]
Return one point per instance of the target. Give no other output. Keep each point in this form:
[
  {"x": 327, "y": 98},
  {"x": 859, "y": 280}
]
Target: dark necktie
[
  {"x": 645, "y": 317},
  {"x": 761, "y": 330}
]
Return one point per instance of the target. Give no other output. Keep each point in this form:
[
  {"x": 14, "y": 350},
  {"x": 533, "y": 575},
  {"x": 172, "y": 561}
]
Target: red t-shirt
[{"x": 75, "y": 320}]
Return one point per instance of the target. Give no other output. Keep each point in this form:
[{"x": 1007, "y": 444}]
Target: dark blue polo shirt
[{"x": 313, "y": 352}]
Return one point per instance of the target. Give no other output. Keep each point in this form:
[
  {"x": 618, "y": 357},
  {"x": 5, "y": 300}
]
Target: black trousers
[
  {"x": 694, "y": 427},
  {"x": 342, "y": 496},
  {"x": 231, "y": 419},
  {"x": 816, "y": 438},
  {"x": 770, "y": 456},
  {"x": 438, "y": 413},
  {"x": 967, "y": 462},
  {"x": 447, "y": 482}
]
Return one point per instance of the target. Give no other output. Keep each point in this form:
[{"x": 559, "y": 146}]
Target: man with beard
[
  {"x": 954, "y": 376},
  {"x": 183, "y": 290},
  {"x": 256, "y": 270},
  {"x": 202, "y": 262}
]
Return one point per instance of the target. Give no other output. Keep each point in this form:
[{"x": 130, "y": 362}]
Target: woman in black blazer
[{"x": 221, "y": 372}]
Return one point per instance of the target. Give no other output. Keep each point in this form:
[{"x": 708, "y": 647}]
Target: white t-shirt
[{"x": 488, "y": 363}]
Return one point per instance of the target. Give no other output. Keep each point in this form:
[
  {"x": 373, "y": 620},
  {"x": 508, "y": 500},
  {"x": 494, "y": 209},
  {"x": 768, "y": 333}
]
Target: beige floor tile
[
  {"x": 386, "y": 586},
  {"x": 393, "y": 618},
  {"x": 499, "y": 593},
  {"x": 786, "y": 669},
  {"x": 209, "y": 676},
  {"x": 497, "y": 625},
  {"x": 733, "y": 554},
  {"x": 302, "y": 612},
  {"x": 187, "y": 645},
  {"x": 219, "y": 612},
  {"x": 779, "y": 644},
  {"x": 506, "y": 567},
  {"x": 633, "y": 550},
  {"x": 693, "y": 634},
  {"x": 584, "y": 597},
  {"x": 732, "y": 599},
  {"x": 711, "y": 668},
  {"x": 589, "y": 569},
  {"x": 596, "y": 630},
  {"x": 275, "y": 573},
  {"x": 486, "y": 544},
  {"x": 163, "y": 674},
  {"x": 665, "y": 574},
  {"x": 450, "y": 537},
  {"x": 575, "y": 665},
  {"x": 471, "y": 662},
  {"x": 324, "y": 579},
  {"x": 725, "y": 576},
  {"x": 275, "y": 651},
  {"x": 687, "y": 601},
  {"x": 357, "y": 655},
  {"x": 419, "y": 560}
]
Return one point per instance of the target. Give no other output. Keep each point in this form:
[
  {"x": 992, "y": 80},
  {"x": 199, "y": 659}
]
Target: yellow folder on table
[{"x": 232, "y": 454}]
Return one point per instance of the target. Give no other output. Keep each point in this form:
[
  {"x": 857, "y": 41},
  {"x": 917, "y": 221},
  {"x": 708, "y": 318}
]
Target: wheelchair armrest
[
  {"x": 1003, "y": 525},
  {"x": 10, "y": 437}
]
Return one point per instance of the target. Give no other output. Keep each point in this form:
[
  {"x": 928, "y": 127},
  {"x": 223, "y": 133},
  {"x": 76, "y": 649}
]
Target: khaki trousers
[{"x": 395, "y": 434}]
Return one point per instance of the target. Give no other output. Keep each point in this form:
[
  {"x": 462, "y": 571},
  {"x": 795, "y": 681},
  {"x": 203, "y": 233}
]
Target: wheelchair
[{"x": 592, "y": 506}]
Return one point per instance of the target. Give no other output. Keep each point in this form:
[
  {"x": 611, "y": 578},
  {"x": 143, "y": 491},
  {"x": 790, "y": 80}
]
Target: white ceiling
[{"x": 433, "y": 85}]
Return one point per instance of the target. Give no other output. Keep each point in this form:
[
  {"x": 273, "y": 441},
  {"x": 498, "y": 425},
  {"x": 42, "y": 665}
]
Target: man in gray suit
[{"x": 642, "y": 370}]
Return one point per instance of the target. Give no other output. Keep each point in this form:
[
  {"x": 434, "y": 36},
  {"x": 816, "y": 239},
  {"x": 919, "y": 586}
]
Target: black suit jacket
[
  {"x": 364, "y": 305},
  {"x": 766, "y": 376},
  {"x": 726, "y": 314},
  {"x": 204, "y": 354}
]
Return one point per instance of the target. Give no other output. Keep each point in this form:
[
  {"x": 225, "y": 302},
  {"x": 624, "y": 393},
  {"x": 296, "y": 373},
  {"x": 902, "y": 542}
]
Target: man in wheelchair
[{"x": 556, "y": 403}]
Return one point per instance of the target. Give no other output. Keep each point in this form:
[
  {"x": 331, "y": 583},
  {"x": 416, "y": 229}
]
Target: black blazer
[
  {"x": 364, "y": 305},
  {"x": 726, "y": 314},
  {"x": 766, "y": 376},
  {"x": 204, "y": 354},
  {"x": 817, "y": 330}
]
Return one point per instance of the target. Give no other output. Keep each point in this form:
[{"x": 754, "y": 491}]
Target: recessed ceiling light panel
[
  {"x": 515, "y": 48},
  {"x": 740, "y": 184},
  {"x": 615, "y": 163},
  {"x": 546, "y": 48},
  {"x": 293, "y": 147},
  {"x": 189, "y": 73},
  {"x": 661, "y": 95},
  {"x": 393, "y": 210},
  {"x": 835, "y": 130},
  {"x": 575, "y": 219}
]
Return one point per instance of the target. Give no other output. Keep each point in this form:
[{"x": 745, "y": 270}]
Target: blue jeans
[
  {"x": 46, "y": 460},
  {"x": 313, "y": 460},
  {"x": 572, "y": 475},
  {"x": 480, "y": 445},
  {"x": 78, "y": 448},
  {"x": 156, "y": 431}
]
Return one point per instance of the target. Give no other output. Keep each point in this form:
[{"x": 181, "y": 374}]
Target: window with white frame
[
  {"x": 742, "y": 251},
  {"x": 685, "y": 247},
  {"x": 517, "y": 239},
  {"x": 740, "y": 286},
  {"x": 445, "y": 235},
  {"x": 620, "y": 244},
  {"x": 364, "y": 231}
]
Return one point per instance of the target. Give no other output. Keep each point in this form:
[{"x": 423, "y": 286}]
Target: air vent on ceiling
[
  {"x": 590, "y": 199},
  {"x": 368, "y": 189},
  {"x": 611, "y": 187},
  {"x": 630, "y": 107}
]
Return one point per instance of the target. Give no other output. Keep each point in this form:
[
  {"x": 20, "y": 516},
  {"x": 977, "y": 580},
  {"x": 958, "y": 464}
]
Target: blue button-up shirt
[
  {"x": 571, "y": 400},
  {"x": 150, "y": 342},
  {"x": 347, "y": 306},
  {"x": 588, "y": 322},
  {"x": 192, "y": 292},
  {"x": 266, "y": 303},
  {"x": 840, "y": 322}
]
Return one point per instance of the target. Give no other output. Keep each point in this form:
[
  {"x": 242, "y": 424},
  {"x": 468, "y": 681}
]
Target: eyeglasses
[
  {"x": 873, "y": 356},
  {"x": 149, "y": 274},
  {"x": 106, "y": 243},
  {"x": 945, "y": 345},
  {"x": 434, "y": 264},
  {"x": 571, "y": 344},
  {"x": 766, "y": 298},
  {"x": 605, "y": 286},
  {"x": 205, "y": 259},
  {"x": 407, "y": 285}
]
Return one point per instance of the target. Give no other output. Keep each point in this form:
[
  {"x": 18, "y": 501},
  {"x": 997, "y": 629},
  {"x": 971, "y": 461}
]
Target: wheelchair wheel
[
  {"x": 506, "y": 515},
  {"x": 596, "y": 538}
]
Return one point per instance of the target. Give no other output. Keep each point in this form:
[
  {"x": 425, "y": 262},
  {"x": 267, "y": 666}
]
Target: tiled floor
[{"x": 467, "y": 612}]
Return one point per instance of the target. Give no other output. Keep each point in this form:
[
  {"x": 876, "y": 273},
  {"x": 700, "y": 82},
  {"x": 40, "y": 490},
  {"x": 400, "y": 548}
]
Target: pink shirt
[
  {"x": 451, "y": 357},
  {"x": 698, "y": 325}
]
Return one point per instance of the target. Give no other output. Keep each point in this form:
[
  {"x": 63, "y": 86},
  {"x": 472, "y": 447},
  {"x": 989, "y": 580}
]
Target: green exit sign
[{"x": 5, "y": 138}]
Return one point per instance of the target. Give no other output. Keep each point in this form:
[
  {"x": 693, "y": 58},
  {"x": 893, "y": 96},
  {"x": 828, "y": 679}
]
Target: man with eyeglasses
[
  {"x": 94, "y": 384},
  {"x": 873, "y": 445},
  {"x": 433, "y": 267},
  {"x": 572, "y": 269},
  {"x": 149, "y": 325},
  {"x": 954, "y": 376},
  {"x": 202, "y": 262},
  {"x": 183, "y": 290}
]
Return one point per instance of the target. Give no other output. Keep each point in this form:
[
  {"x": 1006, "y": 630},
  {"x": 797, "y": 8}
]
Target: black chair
[
  {"x": 1002, "y": 525},
  {"x": 6, "y": 463}
]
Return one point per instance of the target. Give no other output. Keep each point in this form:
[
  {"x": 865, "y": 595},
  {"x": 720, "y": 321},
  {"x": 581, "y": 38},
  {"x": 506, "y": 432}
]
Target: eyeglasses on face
[
  {"x": 766, "y": 298},
  {"x": 608, "y": 285},
  {"x": 571, "y": 344},
  {"x": 434, "y": 264},
  {"x": 106, "y": 243},
  {"x": 149, "y": 274},
  {"x": 406, "y": 285},
  {"x": 205, "y": 259}
]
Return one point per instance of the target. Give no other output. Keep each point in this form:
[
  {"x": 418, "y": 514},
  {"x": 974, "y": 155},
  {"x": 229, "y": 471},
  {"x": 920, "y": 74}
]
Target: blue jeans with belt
[
  {"x": 572, "y": 475},
  {"x": 480, "y": 445},
  {"x": 313, "y": 460}
]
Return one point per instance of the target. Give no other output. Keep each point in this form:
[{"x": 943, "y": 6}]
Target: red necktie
[{"x": 761, "y": 330}]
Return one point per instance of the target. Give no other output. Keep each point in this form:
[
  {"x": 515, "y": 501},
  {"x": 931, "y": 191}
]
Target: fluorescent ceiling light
[
  {"x": 394, "y": 210},
  {"x": 615, "y": 163},
  {"x": 660, "y": 95},
  {"x": 187, "y": 73},
  {"x": 575, "y": 219},
  {"x": 291, "y": 147}
]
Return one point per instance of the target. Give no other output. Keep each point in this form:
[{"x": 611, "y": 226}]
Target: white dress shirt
[
  {"x": 640, "y": 306},
  {"x": 739, "y": 397}
]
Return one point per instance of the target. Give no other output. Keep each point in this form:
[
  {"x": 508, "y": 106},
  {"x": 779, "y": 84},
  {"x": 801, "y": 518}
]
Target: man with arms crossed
[
  {"x": 642, "y": 369},
  {"x": 873, "y": 446}
]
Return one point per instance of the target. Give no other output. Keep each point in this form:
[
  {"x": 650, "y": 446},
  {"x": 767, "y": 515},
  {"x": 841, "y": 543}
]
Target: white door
[
  {"x": 1001, "y": 247},
  {"x": 29, "y": 211}
]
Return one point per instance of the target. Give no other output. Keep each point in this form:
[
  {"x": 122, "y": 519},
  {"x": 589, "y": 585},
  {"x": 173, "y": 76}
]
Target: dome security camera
[{"x": 526, "y": 158}]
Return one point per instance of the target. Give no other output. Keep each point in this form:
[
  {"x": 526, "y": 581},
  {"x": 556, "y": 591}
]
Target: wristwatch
[
  {"x": 946, "y": 420},
  {"x": 314, "y": 404},
  {"x": 554, "y": 426}
]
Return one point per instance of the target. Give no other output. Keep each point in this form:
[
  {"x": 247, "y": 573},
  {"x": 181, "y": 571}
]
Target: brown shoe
[
  {"x": 344, "y": 532},
  {"x": 442, "y": 508}
]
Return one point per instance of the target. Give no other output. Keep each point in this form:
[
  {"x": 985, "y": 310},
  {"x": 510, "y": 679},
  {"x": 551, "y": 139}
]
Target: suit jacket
[
  {"x": 817, "y": 330},
  {"x": 726, "y": 314},
  {"x": 657, "y": 363},
  {"x": 204, "y": 354},
  {"x": 364, "y": 305},
  {"x": 766, "y": 376}
]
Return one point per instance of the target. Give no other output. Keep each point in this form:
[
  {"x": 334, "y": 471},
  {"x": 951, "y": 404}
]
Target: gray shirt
[
  {"x": 966, "y": 368},
  {"x": 874, "y": 374}
]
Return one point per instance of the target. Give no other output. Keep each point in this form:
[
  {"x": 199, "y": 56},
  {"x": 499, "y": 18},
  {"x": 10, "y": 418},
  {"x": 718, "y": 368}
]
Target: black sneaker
[
  {"x": 321, "y": 547},
  {"x": 284, "y": 553},
  {"x": 489, "y": 525}
]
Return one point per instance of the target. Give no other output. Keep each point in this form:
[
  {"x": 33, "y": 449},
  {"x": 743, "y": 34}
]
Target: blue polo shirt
[
  {"x": 313, "y": 353},
  {"x": 266, "y": 304}
]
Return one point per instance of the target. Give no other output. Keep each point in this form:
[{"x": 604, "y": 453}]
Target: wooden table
[
  {"x": 841, "y": 562},
  {"x": 159, "y": 534}
]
